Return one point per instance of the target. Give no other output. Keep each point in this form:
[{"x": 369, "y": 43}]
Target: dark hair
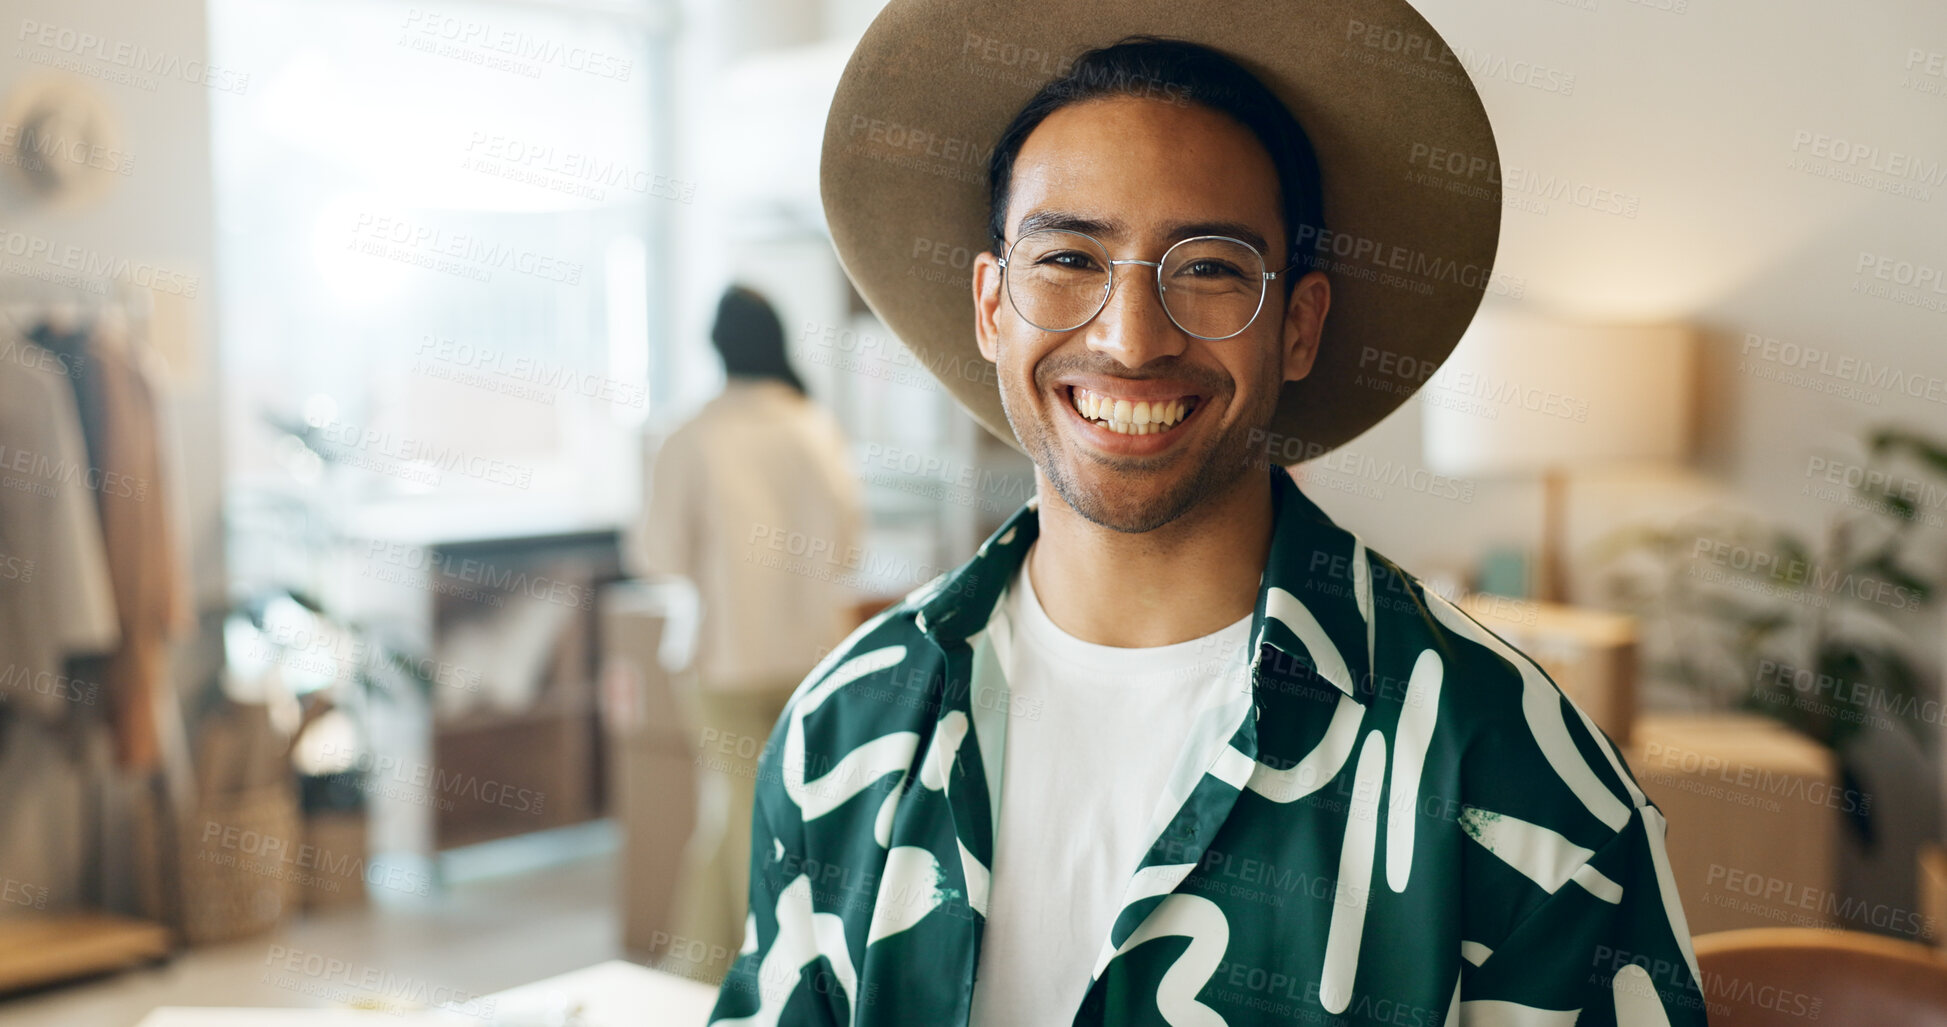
[
  {"x": 750, "y": 338},
  {"x": 1175, "y": 70}
]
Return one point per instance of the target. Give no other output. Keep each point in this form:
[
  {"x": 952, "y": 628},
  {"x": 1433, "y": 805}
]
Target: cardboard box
[
  {"x": 1589, "y": 653},
  {"x": 1754, "y": 810},
  {"x": 652, "y": 775}
]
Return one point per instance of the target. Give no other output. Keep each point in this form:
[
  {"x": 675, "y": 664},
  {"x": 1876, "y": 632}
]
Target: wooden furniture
[
  {"x": 459, "y": 773},
  {"x": 36, "y": 950},
  {"x": 611, "y": 994},
  {"x": 1774, "y": 976},
  {"x": 1590, "y": 653},
  {"x": 1932, "y": 886},
  {"x": 549, "y": 753}
]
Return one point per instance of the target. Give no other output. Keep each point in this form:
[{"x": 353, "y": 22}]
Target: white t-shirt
[{"x": 1094, "y": 734}]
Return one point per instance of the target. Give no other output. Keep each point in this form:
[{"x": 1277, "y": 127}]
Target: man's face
[{"x": 1140, "y": 174}]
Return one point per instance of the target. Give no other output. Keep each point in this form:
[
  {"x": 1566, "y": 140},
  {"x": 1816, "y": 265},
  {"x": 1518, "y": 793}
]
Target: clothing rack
[
  {"x": 71, "y": 303},
  {"x": 67, "y": 943}
]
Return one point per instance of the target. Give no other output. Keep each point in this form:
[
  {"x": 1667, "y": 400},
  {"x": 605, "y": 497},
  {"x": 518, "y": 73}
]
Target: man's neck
[{"x": 1184, "y": 580}]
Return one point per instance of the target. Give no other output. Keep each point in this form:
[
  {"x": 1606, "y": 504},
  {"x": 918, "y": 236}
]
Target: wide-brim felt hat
[{"x": 1407, "y": 162}]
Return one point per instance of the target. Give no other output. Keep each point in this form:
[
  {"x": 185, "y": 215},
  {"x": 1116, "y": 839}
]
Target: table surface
[{"x": 609, "y": 994}]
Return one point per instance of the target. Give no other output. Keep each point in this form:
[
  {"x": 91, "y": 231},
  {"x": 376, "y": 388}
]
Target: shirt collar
[{"x": 1314, "y": 602}]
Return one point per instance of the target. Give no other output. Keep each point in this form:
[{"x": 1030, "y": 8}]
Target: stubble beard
[{"x": 1120, "y": 506}]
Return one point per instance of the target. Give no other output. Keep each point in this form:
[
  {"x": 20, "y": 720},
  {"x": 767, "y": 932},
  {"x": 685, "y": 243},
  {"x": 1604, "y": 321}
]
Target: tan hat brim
[{"x": 1409, "y": 169}]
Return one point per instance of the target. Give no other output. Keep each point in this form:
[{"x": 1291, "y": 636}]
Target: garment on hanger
[
  {"x": 118, "y": 394},
  {"x": 56, "y": 602},
  {"x": 56, "y": 596}
]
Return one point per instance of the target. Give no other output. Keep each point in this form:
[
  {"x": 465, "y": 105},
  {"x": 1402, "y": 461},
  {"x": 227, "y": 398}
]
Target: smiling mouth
[{"x": 1126, "y": 417}]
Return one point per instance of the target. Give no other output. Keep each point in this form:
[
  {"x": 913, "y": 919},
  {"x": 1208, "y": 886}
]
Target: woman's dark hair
[
  {"x": 750, "y": 338},
  {"x": 1177, "y": 71}
]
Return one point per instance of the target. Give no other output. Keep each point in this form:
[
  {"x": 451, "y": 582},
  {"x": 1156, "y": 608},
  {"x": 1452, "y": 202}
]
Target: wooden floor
[{"x": 490, "y": 932}]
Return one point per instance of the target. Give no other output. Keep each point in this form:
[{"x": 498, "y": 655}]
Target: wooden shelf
[{"x": 43, "y": 949}]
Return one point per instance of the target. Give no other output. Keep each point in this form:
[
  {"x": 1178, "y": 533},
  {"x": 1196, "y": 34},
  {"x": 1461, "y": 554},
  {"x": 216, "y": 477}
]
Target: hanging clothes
[
  {"x": 56, "y": 602},
  {"x": 56, "y": 595},
  {"x": 117, "y": 393}
]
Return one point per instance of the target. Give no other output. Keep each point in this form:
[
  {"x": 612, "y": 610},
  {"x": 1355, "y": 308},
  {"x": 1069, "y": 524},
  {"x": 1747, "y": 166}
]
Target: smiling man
[{"x": 1173, "y": 747}]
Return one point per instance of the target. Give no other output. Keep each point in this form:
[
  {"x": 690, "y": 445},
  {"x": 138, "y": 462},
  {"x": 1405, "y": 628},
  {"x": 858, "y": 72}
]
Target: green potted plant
[{"x": 1818, "y": 634}]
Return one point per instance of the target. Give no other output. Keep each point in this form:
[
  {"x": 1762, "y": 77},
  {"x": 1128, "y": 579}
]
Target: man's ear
[
  {"x": 1304, "y": 323},
  {"x": 987, "y": 304}
]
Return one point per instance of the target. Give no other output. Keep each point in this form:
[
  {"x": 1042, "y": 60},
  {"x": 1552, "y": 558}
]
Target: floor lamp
[{"x": 1532, "y": 396}]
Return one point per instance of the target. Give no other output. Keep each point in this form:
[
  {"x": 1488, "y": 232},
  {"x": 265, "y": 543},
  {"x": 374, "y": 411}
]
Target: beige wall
[
  {"x": 159, "y": 215},
  {"x": 1695, "y": 115}
]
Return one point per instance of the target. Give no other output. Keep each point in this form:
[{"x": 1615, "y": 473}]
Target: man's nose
[{"x": 1133, "y": 327}]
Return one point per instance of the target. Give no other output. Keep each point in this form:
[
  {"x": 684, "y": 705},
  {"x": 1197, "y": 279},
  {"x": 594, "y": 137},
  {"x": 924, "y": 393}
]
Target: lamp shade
[{"x": 1525, "y": 393}]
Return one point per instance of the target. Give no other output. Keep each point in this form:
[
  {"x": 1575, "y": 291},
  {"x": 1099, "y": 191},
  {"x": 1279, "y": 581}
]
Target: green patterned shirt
[{"x": 1398, "y": 819}]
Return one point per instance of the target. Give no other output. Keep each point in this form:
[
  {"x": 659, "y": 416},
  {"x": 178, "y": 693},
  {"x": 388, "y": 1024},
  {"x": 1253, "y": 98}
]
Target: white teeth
[{"x": 1130, "y": 418}]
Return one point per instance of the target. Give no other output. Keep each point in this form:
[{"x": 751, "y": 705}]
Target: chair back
[{"x": 1774, "y": 976}]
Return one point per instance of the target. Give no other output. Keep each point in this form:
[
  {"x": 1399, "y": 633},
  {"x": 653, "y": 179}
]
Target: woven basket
[{"x": 240, "y": 864}]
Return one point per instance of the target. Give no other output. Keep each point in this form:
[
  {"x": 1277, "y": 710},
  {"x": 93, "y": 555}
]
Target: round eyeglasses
[{"x": 1211, "y": 286}]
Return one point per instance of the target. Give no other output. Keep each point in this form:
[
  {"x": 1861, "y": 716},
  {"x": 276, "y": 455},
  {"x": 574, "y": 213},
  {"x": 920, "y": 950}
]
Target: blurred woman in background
[{"x": 755, "y": 501}]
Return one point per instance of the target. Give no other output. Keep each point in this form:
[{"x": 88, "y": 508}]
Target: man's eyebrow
[
  {"x": 1073, "y": 222},
  {"x": 1234, "y": 229},
  {"x": 1069, "y": 221}
]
